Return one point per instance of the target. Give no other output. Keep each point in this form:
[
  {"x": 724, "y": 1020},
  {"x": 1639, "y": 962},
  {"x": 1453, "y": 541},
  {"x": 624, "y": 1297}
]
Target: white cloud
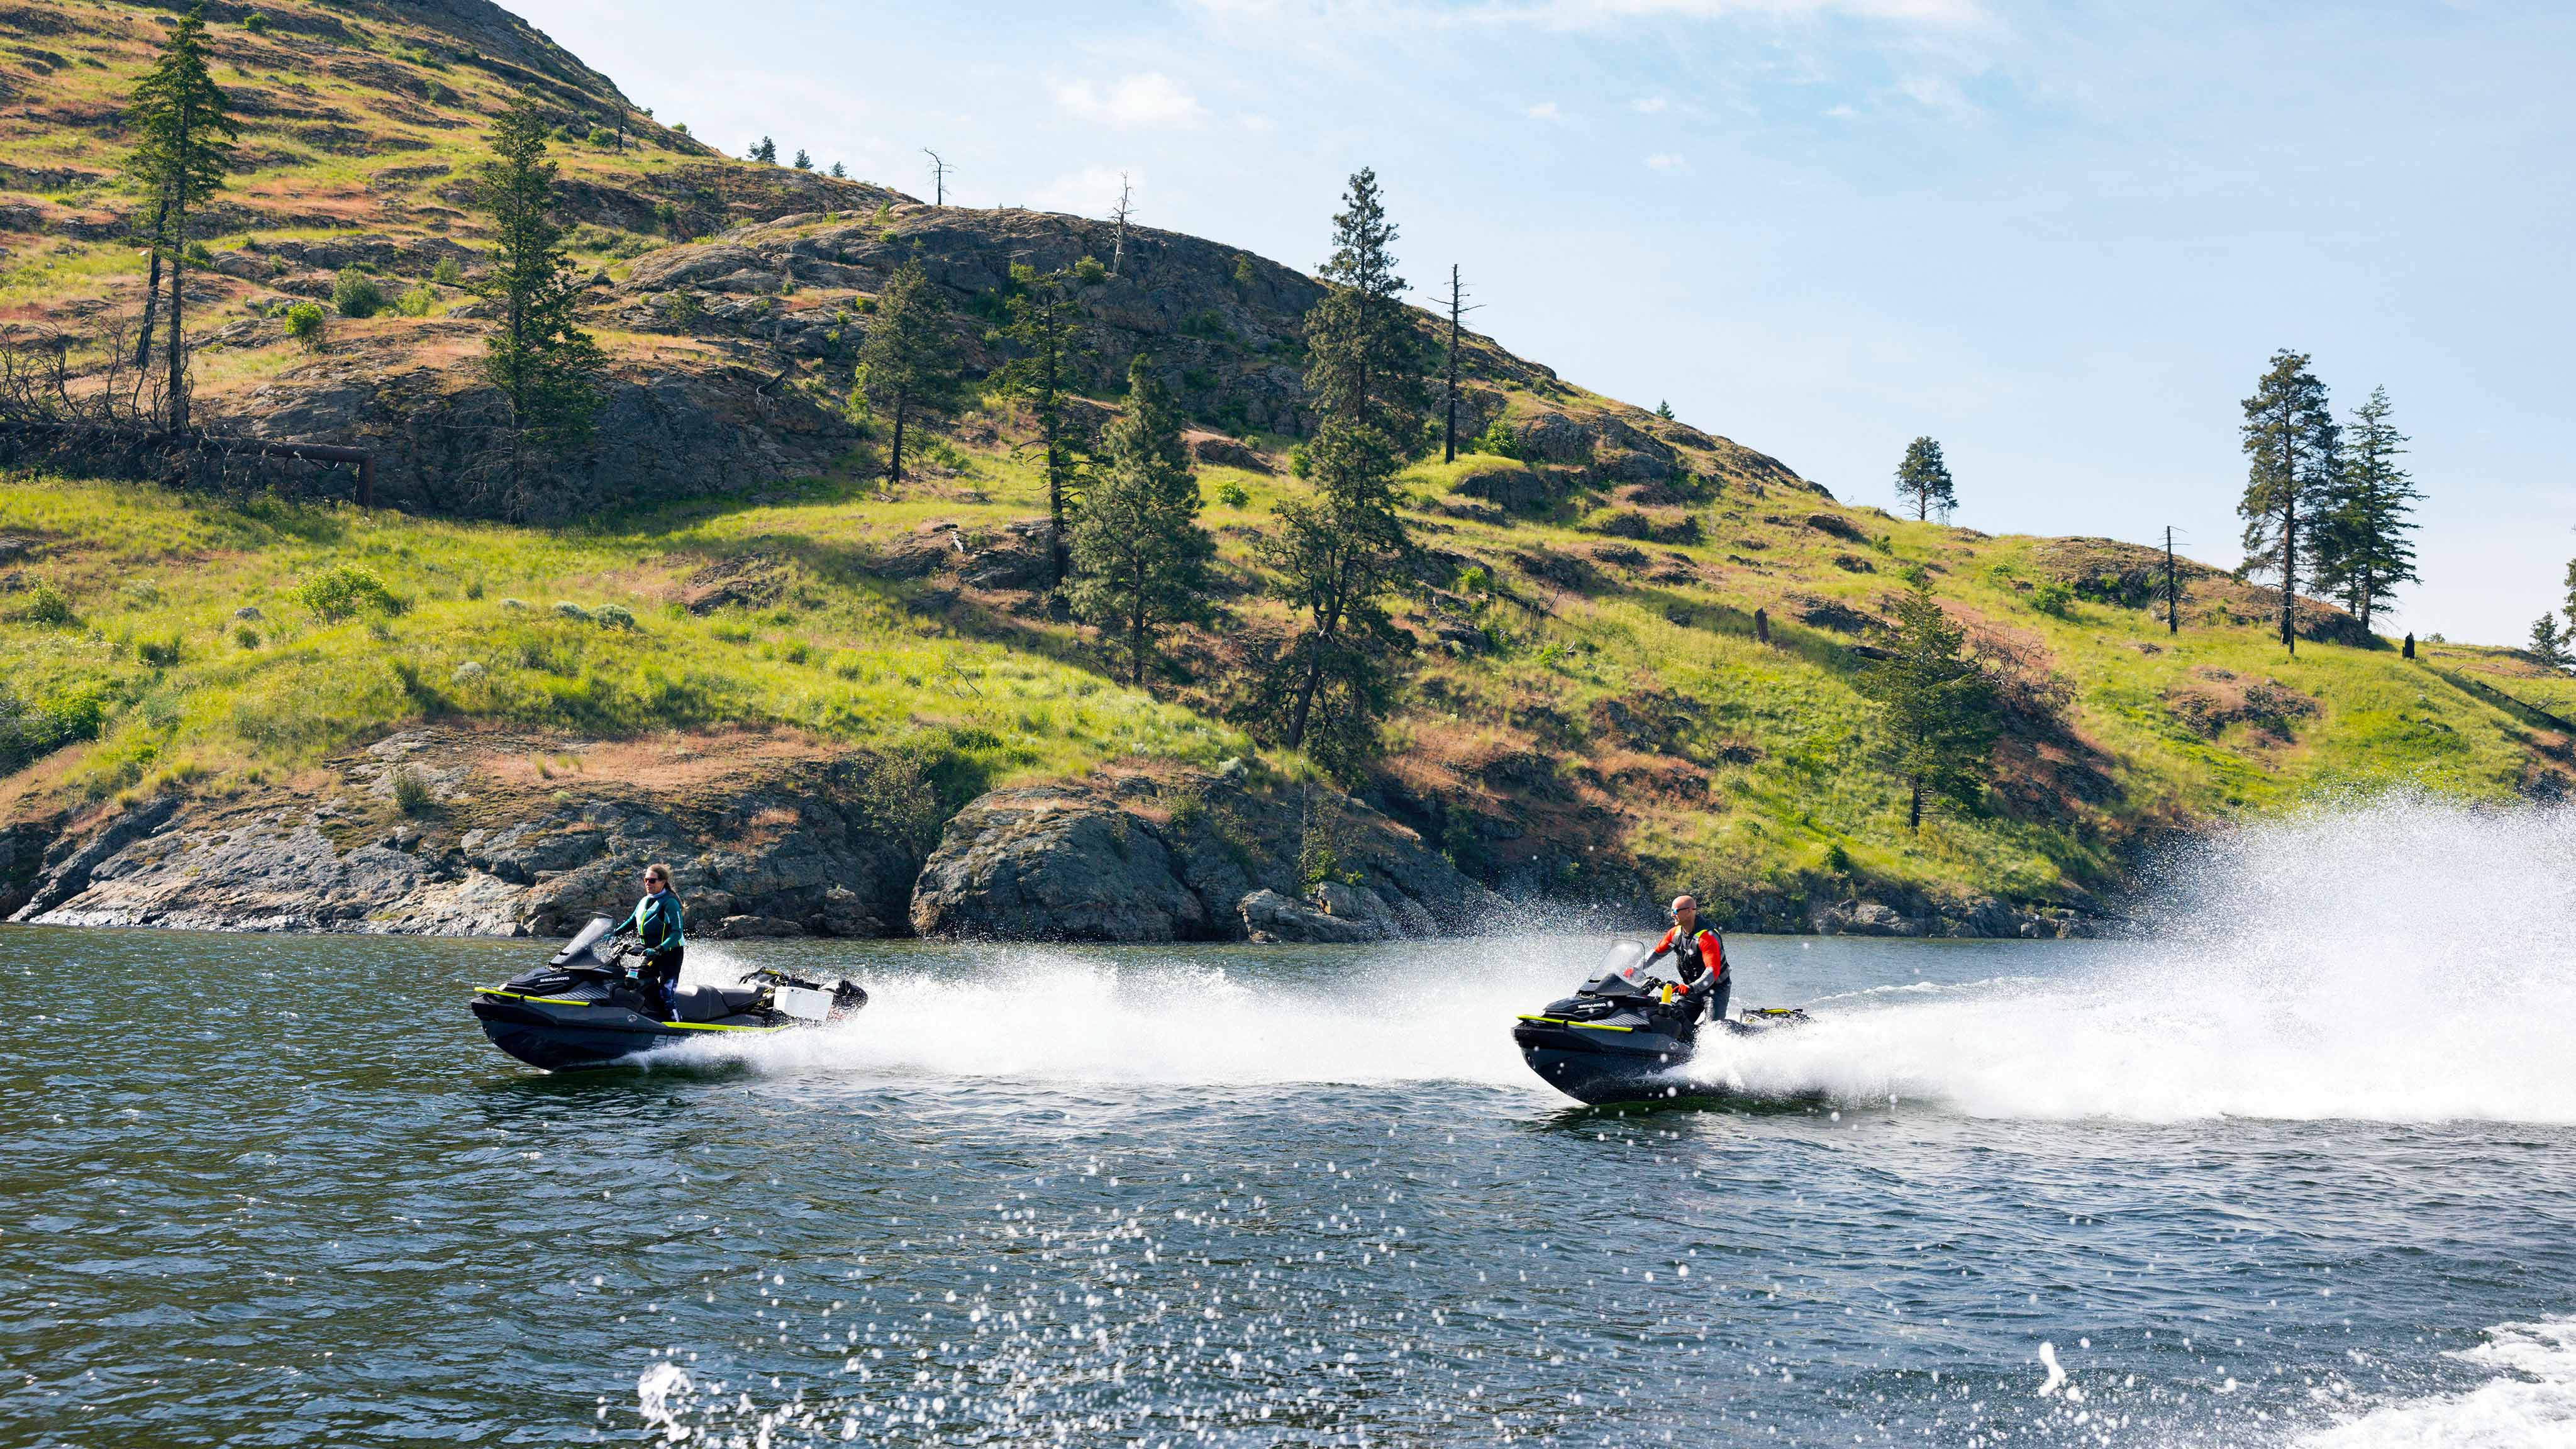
[
  {"x": 1546, "y": 111},
  {"x": 1667, "y": 161},
  {"x": 1649, "y": 106},
  {"x": 1841, "y": 113},
  {"x": 1147, "y": 98}
]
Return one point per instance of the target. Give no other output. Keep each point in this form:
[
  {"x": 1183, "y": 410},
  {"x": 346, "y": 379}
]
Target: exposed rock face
[
  {"x": 1982, "y": 917},
  {"x": 788, "y": 852},
  {"x": 1217, "y": 861},
  {"x": 1053, "y": 864}
]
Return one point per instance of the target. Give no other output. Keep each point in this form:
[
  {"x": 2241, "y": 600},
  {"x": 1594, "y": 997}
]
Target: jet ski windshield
[
  {"x": 1623, "y": 972},
  {"x": 581, "y": 949}
]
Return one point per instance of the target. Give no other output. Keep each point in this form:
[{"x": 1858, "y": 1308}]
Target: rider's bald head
[{"x": 1685, "y": 905}]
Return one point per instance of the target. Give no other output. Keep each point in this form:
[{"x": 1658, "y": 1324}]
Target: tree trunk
[
  {"x": 1914, "y": 807},
  {"x": 1050, "y": 423},
  {"x": 178, "y": 301},
  {"x": 2290, "y": 574},
  {"x": 1136, "y": 647},
  {"x": 894, "y": 455},
  {"x": 152, "y": 288}
]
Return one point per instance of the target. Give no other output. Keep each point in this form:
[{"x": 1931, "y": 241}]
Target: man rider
[
  {"x": 1699, "y": 958},
  {"x": 656, "y": 924}
]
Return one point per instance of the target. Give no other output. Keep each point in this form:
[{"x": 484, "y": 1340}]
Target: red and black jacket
[{"x": 1702, "y": 956}]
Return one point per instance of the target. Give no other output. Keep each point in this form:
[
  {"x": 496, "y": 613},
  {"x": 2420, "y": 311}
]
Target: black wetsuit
[{"x": 657, "y": 930}]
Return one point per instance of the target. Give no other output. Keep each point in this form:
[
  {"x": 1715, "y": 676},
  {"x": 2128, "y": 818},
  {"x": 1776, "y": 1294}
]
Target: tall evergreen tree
[
  {"x": 1044, "y": 322},
  {"x": 765, "y": 151},
  {"x": 2291, "y": 438},
  {"x": 547, "y": 369},
  {"x": 1139, "y": 555},
  {"x": 1338, "y": 554},
  {"x": 803, "y": 162},
  {"x": 908, "y": 365},
  {"x": 2549, "y": 642},
  {"x": 1923, "y": 480},
  {"x": 1935, "y": 705},
  {"x": 2362, "y": 551},
  {"x": 183, "y": 152}
]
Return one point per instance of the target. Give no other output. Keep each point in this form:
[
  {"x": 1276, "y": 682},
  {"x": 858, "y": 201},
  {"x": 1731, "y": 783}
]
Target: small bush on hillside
[
  {"x": 411, "y": 792},
  {"x": 570, "y": 610},
  {"x": 161, "y": 653},
  {"x": 613, "y": 616},
  {"x": 355, "y": 294},
  {"x": 32, "y": 730},
  {"x": 304, "y": 324},
  {"x": 337, "y": 593},
  {"x": 418, "y": 301},
  {"x": 255, "y": 23},
  {"x": 1497, "y": 439},
  {"x": 47, "y": 605},
  {"x": 602, "y": 136},
  {"x": 1231, "y": 494},
  {"x": 199, "y": 254},
  {"x": 448, "y": 273},
  {"x": 1090, "y": 272},
  {"x": 2053, "y": 597},
  {"x": 245, "y": 636}
]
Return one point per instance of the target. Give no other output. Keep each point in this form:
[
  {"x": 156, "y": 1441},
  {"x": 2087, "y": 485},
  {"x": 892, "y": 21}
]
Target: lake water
[{"x": 2299, "y": 1169}]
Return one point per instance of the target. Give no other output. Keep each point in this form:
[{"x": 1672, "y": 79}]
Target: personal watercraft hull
[
  {"x": 570, "y": 1036},
  {"x": 1599, "y": 1064},
  {"x": 582, "y": 1009}
]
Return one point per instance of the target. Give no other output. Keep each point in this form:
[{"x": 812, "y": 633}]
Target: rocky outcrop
[
  {"x": 1983, "y": 917},
  {"x": 1197, "y": 858},
  {"x": 766, "y": 853}
]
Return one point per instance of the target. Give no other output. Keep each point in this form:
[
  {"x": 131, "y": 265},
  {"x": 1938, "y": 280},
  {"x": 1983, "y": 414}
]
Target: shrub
[
  {"x": 1498, "y": 439},
  {"x": 2053, "y": 597},
  {"x": 1090, "y": 272},
  {"x": 570, "y": 610},
  {"x": 199, "y": 254},
  {"x": 418, "y": 301},
  {"x": 448, "y": 273},
  {"x": 602, "y": 136},
  {"x": 1231, "y": 494},
  {"x": 29, "y": 731},
  {"x": 355, "y": 294},
  {"x": 256, "y": 23},
  {"x": 613, "y": 616},
  {"x": 304, "y": 324},
  {"x": 346, "y": 589},
  {"x": 47, "y": 605},
  {"x": 245, "y": 636},
  {"x": 160, "y": 653},
  {"x": 411, "y": 792},
  {"x": 1244, "y": 276}
]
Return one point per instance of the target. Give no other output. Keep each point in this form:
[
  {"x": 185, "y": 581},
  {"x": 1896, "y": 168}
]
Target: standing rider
[
  {"x": 657, "y": 928},
  {"x": 1699, "y": 958}
]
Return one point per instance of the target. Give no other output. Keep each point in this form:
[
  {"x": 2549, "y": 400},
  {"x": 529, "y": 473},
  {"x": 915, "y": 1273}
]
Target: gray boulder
[
  {"x": 1269, "y": 916},
  {"x": 1053, "y": 864}
]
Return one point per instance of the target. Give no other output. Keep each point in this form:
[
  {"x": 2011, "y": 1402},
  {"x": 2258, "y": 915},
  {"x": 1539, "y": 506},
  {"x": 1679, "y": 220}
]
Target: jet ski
[
  {"x": 584, "y": 1008},
  {"x": 1625, "y": 1036}
]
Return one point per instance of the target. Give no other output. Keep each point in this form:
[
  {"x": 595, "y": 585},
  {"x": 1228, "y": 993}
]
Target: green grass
[{"x": 846, "y": 662}]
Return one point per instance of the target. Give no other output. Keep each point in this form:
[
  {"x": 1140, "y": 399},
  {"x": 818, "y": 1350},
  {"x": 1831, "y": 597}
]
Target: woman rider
[{"x": 657, "y": 929}]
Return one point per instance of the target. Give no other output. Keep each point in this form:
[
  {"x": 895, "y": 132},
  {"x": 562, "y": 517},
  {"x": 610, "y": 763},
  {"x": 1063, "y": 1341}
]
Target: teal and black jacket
[{"x": 657, "y": 923}]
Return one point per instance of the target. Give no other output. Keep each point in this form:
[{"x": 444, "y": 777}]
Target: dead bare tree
[
  {"x": 1457, "y": 309},
  {"x": 1118, "y": 246},
  {"x": 939, "y": 170}
]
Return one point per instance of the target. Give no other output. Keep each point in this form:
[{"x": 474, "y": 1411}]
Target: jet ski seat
[{"x": 713, "y": 1003}]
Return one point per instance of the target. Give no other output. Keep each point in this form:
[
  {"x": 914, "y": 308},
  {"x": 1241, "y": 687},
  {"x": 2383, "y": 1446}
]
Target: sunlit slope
[{"x": 1592, "y": 715}]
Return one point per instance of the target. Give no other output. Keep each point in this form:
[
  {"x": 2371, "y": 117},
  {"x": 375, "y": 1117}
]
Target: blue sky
[{"x": 2061, "y": 239}]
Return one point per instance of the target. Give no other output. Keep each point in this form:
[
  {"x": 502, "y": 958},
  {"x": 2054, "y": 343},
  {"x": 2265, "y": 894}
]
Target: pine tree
[
  {"x": 2362, "y": 549},
  {"x": 2290, "y": 435},
  {"x": 2549, "y": 643},
  {"x": 908, "y": 365},
  {"x": 1923, "y": 480},
  {"x": 1044, "y": 319},
  {"x": 803, "y": 162},
  {"x": 838, "y": 173},
  {"x": 1936, "y": 706},
  {"x": 548, "y": 370},
  {"x": 1337, "y": 555},
  {"x": 2571, "y": 594},
  {"x": 184, "y": 152},
  {"x": 765, "y": 151},
  {"x": 1139, "y": 555},
  {"x": 1664, "y": 410}
]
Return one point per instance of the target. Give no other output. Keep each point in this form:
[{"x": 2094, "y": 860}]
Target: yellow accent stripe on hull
[
  {"x": 673, "y": 1025},
  {"x": 1586, "y": 1025}
]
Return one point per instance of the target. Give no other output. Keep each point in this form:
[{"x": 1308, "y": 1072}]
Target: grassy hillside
[
  {"x": 1621, "y": 733},
  {"x": 1593, "y": 711}
]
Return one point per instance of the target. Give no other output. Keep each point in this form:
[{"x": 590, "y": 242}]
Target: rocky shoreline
[{"x": 453, "y": 832}]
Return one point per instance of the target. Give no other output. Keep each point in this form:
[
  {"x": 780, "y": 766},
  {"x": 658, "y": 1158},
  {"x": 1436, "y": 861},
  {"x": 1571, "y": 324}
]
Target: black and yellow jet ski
[
  {"x": 584, "y": 1008},
  {"x": 1626, "y": 1037}
]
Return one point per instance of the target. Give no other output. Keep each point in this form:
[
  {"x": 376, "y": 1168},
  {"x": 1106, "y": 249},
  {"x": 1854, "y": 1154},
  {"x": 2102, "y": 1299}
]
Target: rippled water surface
[{"x": 2282, "y": 1174}]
